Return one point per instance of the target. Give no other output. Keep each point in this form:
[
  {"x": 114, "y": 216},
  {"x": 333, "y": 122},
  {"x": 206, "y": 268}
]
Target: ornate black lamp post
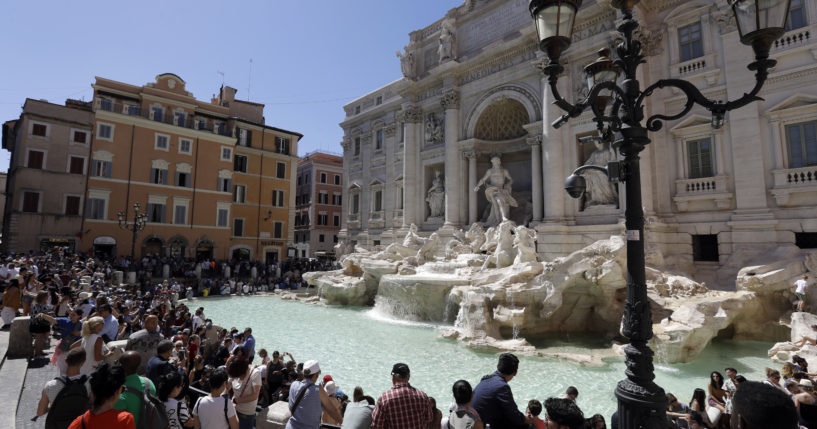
[
  {"x": 138, "y": 224},
  {"x": 641, "y": 403}
]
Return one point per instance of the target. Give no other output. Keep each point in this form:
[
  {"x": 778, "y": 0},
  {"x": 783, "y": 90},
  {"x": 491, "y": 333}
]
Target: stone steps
[{"x": 12, "y": 378}]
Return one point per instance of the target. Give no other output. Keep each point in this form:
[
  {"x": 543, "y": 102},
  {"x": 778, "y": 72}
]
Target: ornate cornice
[
  {"x": 389, "y": 130},
  {"x": 366, "y": 138},
  {"x": 450, "y": 100},
  {"x": 652, "y": 42},
  {"x": 346, "y": 143}
]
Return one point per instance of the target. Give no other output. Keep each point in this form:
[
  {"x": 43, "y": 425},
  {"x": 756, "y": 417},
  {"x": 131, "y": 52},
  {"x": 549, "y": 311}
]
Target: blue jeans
[{"x": 246, "y": 421}]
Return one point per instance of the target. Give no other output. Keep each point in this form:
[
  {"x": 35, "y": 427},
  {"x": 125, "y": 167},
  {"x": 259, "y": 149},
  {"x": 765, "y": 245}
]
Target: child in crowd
[{"x": 534, "y": 409}]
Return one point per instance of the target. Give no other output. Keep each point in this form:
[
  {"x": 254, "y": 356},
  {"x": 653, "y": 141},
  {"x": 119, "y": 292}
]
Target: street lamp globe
[
  {"x": 600, "y": 71},
  {"x": 760, "y": 22},
  {"x": 554, "y": 24}
]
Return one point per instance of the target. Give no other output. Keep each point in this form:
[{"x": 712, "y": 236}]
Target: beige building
[
  {"x": 318, "y": 204},
  {"x": 47, "y": 175}
]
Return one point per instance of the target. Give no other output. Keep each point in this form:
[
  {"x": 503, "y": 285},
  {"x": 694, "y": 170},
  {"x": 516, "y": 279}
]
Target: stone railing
[
  {"x": 794, "y": 38},
  {"x": 703, "y": 185},
  {"x": 793, "y": 181}
]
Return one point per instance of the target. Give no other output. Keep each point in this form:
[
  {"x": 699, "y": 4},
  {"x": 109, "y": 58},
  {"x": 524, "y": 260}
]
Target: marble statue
[
  {"x": 498, "y": 184},
  {"x": 429, "y": 249},
  {"x": 525, "y": 243},
  {"x": 435, "y": 129},
  {"x": 435, "y": 197},
  {"x": 446, "y": 48},
  {"x": 411, "y": 244},
  {"x": 600, "y": 192},
  {"x": 475, "y": 236},
  {"x": 503, "y": 255},
  {"x": 407, "y": 64}
]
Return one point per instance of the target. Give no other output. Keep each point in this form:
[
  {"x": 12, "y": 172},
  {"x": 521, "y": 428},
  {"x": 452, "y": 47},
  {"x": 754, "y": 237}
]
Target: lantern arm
[
  {"x": 572, "y": 110},
  {"x": 598, "y": 110}
]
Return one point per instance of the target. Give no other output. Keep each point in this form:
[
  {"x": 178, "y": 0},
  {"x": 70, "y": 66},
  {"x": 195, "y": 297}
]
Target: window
[
  {"x": 278, "y": 230},
  {"x": 31, "y": 202},
  {"x": 323, "y": 177},
  {"x": 378, "y": 102},
  {"x": 225, "y": 184},
  {"x": 185, "y": 146},
  {"x": 244, "y": 137},
  {"x": 399, "y": 198},
  {"x": 79, "y": 137},
  {"x": 161, "y": 142},
  {"x": 402, "y": 132},
  {"x": 323, "y": 219},
  {"x": 40, "y": 130},
  {"x": 72, "y": 203},
  {"x": 179, "y": 118},
  {"x": 101, "y": 168},
  {"x": 221, "y": 216},
  {"x": 336, "y": 199},
  {"x": 180, "y": 215},
  {"x": 336, "y": 220},
  {"x": 240, "y": 193},
  {"x": 240, "y": 163},
  {"x": 201, "y": 123},
  {"x": 106, "y": 104},
  {"x": 281, "y": 171},
  {"x": 802, "y": 142},
  {"x": 378, "y": 201},
  {"x": 356, "y": 203},
  {"x": 299, "y": 180},
  {"x": 226, "y": 153},
  {"x": 282, "y": 145},
  {"x": 306, "y": 177},
  {"x": 357, "y": 110},
  {"x": 356, "y": 151},
  {"x": 335, "y": 238},
  {"x": 238, "y": 227},
  {"x": 105, "y": 132},
  {"x": 157, "y": 113},
  {"x": 183, "y": 179},
  {"x": 323, "y": 198},
  {"x": 705, "y": 247},
  {"x": 158, "y": 176},
  {"x": 36, "y": 159},
  {"x": 337, "y": 179},
  {"x": 700, "y": 158},
  {"x": 805, "y": 240},
  {"x": 76, "y": 165},
  {"x": 797, "y": 15},
  {"x": 691, "y": 42},
  {"x": 278, "y": 198},
  {"x": 95, "y": 208},
  {"x": 320, "y": 238},
  {"x": 156, "y": 212},
  {"x": 378, "y": 140},
  {"x": 131, "y": 109}
]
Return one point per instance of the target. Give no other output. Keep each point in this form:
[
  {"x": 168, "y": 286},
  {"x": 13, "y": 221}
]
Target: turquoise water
[{"x": 358, "y": 347}]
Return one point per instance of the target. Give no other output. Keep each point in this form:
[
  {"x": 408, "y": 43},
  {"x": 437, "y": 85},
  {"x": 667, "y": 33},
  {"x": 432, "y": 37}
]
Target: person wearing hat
[
  {"x": 307, "y": 400},
  {"x": 493, "y": 398},
  {"x": 402, "y": 406},
  {"x": 806, "y": 404}
]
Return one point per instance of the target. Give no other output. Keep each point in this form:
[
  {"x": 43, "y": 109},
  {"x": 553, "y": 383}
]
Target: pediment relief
[
  {"x": 170, "y": 82},
  {"x": 793, "y": 104}
]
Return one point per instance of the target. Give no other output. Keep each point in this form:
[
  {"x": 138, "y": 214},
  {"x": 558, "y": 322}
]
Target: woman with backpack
[
  {"x": 107, "y": 382},
  {"x": 170, "y": 386},
  {"x": 215, "y": 411}
]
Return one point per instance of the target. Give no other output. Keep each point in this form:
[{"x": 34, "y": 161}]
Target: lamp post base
[{"x": 641, "y": 402}]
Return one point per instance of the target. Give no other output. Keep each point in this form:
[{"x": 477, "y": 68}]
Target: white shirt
[
  {"x": 53, "y": 387},
  {"x": 802, "y": 285},
  {"x": 254, "y": 380},
  {"x": 177, "y": 413},
  {"x": 210, "y": 412}
]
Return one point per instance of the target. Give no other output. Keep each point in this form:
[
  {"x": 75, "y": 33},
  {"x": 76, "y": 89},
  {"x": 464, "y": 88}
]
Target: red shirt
[
  {"x": 402, "y": 407},
  {"x": 111, "y": 419}
]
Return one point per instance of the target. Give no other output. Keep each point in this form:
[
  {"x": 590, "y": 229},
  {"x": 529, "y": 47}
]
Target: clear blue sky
[{"x": 309, "y": 58}]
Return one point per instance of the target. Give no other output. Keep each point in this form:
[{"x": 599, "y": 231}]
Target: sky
[{"x": 303, "y": 59}]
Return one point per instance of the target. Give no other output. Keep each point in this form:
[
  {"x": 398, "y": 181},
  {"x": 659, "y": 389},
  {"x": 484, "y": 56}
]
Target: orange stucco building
[{"x": 213, "y": 179}]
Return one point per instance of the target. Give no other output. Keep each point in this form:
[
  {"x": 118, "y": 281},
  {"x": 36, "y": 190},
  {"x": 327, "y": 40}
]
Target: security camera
[{"x": 575, "y": 186}]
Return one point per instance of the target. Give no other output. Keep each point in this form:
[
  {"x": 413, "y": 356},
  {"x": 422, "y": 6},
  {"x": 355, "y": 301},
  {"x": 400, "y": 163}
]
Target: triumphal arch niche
[{"x": 501, "y": 130}]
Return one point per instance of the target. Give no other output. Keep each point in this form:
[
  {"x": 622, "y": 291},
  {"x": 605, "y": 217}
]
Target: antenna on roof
[
  {"x": 249, "y": 81},
  {"x": 222, "y": 86}
]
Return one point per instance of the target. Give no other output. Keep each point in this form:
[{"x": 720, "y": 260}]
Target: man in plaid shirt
[{"x": 402, "y": 406}]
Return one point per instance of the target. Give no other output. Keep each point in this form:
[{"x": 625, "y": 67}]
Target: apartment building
[
  {"x": 47, "y": 176},
  {"x": 318, "y": 204},
  {"x": 213, "y": 178}
]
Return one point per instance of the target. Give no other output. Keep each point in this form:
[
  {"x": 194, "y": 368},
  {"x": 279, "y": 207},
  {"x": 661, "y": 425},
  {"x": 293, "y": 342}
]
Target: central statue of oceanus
[{"x": 498, "y": 191}]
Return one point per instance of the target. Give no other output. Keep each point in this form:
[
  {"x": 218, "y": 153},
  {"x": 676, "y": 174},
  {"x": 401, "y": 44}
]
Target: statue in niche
[
  {"x": 435, "y": 196},
  {"x": 600, "y": 192},
  {"x": 407, "y": 63},
  {"x": 498, "y": 191},
  {"x": 435, "y": 129},
  {"x": 446, "y": 48}
]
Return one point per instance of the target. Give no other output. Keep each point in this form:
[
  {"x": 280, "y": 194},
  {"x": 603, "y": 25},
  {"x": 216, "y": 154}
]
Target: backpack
[
  {"x": 70, "y": 403},
  {"x": 152, "y": 414}
]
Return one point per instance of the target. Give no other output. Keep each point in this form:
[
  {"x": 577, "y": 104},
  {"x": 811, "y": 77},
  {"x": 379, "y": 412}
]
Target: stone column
[
  {"x": 472, "y": 182},
  {"x": 535, "y": 143},
  {"x": 553, "y": 162},
  {"x": 451, "y": 103},
  {"x": 413, "y": 117}
]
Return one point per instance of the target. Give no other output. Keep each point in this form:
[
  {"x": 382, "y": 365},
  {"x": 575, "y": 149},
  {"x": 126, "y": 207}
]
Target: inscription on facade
[{"x": 502, "y": 21}]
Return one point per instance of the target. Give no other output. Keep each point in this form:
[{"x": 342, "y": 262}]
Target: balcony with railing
[
  {"x": 793, "y": 181},
  {"x": 704, "y": 189},
  {"x": 171, "y": 118}
]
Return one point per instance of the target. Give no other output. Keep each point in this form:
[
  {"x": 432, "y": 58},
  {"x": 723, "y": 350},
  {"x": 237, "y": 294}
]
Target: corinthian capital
[
  {"x": 450, "y": 100},
  {"x": 412, "y": 115}
]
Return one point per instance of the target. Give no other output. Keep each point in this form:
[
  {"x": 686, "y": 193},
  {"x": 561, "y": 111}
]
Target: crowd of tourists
[{"x": 177, "y": 368}]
